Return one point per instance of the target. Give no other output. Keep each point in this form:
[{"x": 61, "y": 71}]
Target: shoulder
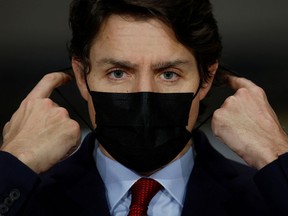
[
  {"x": 65, "y": 187},
  {"x": 231, "y": 183},
  {"x": 207, "y": 156}
]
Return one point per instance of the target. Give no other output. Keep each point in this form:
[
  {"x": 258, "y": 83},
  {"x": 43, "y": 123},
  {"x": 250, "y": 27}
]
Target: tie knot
[{"x": 142, "y": 192}]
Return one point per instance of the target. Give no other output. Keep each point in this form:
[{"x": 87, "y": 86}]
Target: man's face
[{"x": 130, "y": 55}]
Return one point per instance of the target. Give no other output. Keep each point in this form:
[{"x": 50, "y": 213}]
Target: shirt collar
[
  {"x": 175, "y": 176},
  {"x": 118, "y": 179}
]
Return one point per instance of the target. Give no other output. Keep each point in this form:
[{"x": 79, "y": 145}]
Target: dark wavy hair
[{"x": 191, "y": 20}]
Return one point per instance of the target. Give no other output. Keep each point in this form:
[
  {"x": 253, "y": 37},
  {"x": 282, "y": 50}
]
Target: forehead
[
  {"x": 126, "y": 35},
  {"x": 117, "y": 23}
]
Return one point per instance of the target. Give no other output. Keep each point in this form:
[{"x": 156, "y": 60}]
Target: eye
[
  {"x": 169, "y": 76},
  {"x": 117, "y": 74}
]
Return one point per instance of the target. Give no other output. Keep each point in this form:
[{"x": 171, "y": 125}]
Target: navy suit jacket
[{"x": 217, "y": 186}]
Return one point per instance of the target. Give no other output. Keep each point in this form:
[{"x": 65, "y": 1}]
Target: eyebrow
[
  {"x": 168, "y": 64},
  {"x": 116, "y": 63},
  {"x": 128, "y": 64}
]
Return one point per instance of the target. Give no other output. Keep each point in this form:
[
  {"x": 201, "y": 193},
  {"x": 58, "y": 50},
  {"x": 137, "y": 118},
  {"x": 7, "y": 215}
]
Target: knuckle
[
  {"x": 74, "y": 130},
  {"x": 62, "y": 111},
  {"x": 74, "y": 126},
  {"x": 214, "y": 126},
  {"x": 47, "y": 102},
  {"x": 218, "y": 122},
  {"x": 229, "y": 100},
  {"x": 27, "y": 102},
  {"x": 259, "y": 91},
  {"x": 242, "y": 91},
  {"x": 6, "y": 128},
  {"x": 217, "y": 115}
]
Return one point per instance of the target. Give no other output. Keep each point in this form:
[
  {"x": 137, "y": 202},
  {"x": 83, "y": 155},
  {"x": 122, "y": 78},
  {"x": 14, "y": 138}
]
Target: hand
[
  {"x": 247, "y": 124},
  {"x": 40, "y": 133}
]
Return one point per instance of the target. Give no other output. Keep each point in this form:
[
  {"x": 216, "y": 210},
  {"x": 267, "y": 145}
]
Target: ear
[
  {"x": 207, "y": 85},
  {"x": 79, "y": 73}
]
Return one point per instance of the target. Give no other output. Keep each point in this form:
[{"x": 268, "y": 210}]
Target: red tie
[{"x": 142, "y": 193}]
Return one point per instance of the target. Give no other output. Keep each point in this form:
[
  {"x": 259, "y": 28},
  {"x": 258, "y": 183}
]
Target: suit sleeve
[
  {"x": 272, "y": 181},
  {"x": 17, "y": 182}
]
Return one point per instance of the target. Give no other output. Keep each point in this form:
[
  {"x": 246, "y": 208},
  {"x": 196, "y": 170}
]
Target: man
[{"x": 143, "y": 67}]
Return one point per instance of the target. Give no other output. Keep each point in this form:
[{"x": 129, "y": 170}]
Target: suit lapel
[
  {"x": 89, "y": 194},
  {"x": 204, "y": 195},
  {"x": 82, "y": 183},
  {"x": 207, "y": 192}
]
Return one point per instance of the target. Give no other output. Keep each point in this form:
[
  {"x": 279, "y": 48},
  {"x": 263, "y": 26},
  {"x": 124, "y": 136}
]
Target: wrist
[
  {"x": 23, "y": 156},
  {"x": 267, "y": 157}
]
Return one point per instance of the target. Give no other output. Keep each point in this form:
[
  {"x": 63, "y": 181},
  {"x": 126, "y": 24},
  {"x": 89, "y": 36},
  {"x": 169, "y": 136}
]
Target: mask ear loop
[
  {"x": 89, "y": 90},
  {"x": 86, "y": 81},
  {"x": 219, "y": 81},
  {"x": 198, "y": 89},
  {"x": 69, "y": 71}
]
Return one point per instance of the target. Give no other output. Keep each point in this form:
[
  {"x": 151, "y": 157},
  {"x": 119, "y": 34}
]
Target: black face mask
[{"x": 143, "y": 131}]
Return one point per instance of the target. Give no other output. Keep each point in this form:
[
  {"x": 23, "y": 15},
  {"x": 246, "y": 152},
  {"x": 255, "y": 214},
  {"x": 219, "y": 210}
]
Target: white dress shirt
[{"x": 118, "y": 179}]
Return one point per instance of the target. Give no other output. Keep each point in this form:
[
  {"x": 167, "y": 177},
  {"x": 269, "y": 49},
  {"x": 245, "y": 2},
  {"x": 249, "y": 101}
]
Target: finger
[
  {"x": 236, "y": 83},
  {"x": 48, "y": 83}
]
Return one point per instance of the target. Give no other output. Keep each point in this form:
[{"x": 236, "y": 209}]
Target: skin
[
  {"x": 40, "y": 133},
  {"x": 140, "y": 56},
  {"x": 247, "y": 124},
  {"x": 132, "y": 56}
]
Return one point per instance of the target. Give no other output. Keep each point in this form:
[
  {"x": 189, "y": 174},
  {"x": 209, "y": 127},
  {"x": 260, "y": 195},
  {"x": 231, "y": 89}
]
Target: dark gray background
[{"x": 34, "y": 34}]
